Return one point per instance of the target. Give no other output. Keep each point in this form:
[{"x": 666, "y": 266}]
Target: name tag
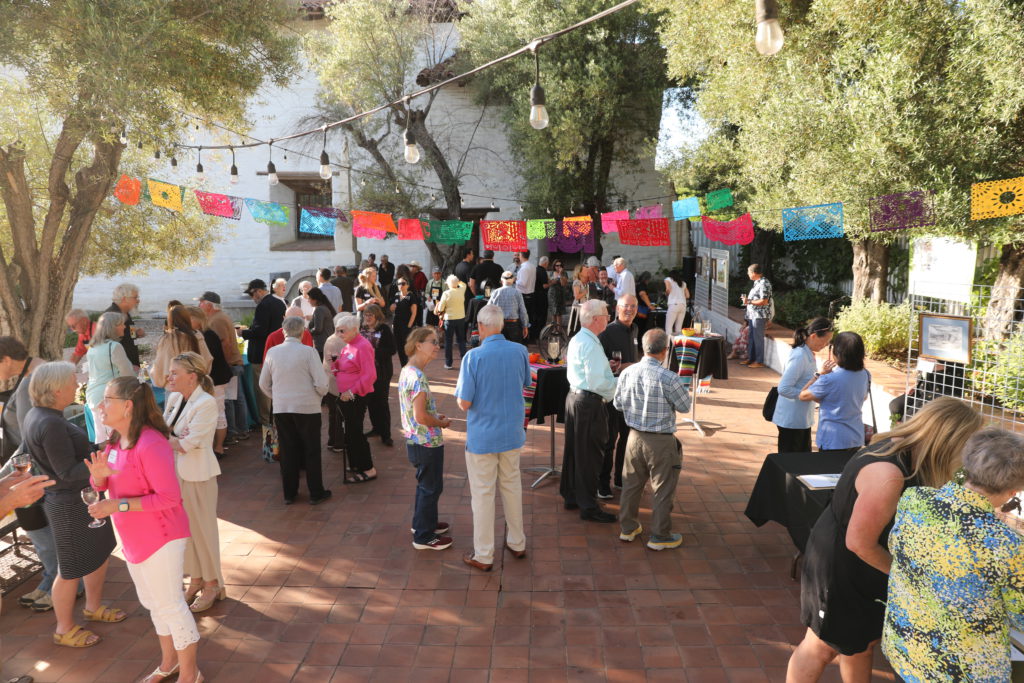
[
  {"x": 112, "y": 457},
  {"x": 350, "y": 356}
]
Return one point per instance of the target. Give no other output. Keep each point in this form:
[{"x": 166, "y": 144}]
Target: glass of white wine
[{"x": 90, "y": 496}]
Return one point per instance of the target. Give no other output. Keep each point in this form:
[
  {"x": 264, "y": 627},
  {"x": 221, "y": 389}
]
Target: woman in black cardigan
[{"x": 380, "y": 336}]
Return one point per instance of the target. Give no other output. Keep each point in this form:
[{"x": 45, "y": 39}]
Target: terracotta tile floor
[{"x": 337, "y": 593}]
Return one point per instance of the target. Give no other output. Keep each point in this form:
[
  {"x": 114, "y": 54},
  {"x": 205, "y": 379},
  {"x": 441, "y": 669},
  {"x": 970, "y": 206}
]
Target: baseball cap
[
  {"x": 212, "y": 297},
  {"x": 254, "y": 285},
  {"x": 437, "y": 269},
  {"x": 593, "y": 262}
]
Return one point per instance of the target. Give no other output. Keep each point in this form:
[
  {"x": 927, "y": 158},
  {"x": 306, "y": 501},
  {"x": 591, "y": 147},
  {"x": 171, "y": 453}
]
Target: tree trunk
[
  {"x": 1004, "y": 304},
  {"x": 870, "y": 271},
  {"x": 761, "y": 253}
]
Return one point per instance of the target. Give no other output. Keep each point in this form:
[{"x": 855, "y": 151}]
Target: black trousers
[
  {"x": 614, "y": 449},
  {"x": 401, "y": 334},
  {"x": 794, "y": 440},
  {"x": 513, "y": 331},
  {"x": 359, "y": 458},
  {"x": 377, "y": 406},
  {"x": 298, "y": 435},
  {"x": 335, "y": 424},
  {"x": 586, "y": 432}
]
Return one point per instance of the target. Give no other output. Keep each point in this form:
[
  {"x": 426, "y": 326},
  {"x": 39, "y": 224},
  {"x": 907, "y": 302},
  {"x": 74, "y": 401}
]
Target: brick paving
[{"x": 337, "y": 593}]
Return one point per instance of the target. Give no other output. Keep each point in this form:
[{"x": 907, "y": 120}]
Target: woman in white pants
[
  {"x": 136, "y": 469},
  {"x": 677, "y": 296}
]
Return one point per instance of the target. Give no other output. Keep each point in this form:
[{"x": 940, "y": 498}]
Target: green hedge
[
  {"x": 885, "y": 328},
  {"x": 794, "y": 308}
]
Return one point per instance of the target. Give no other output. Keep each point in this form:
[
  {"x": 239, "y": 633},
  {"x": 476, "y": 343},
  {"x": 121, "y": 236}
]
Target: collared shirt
[
  {"x": 790, "y": 411},
  {"x": 621, "y": 338},
  {"x": 453, "y": 302},
  {"x": 492, "y": 379},
  {"x": 587, "y": 367},
  {"x": 511, "y": 303},
  {"x": 294, "y": 378},
  {"x": 762, "y": 289},
  {"x": 650, "y": 395},
  {"x": 526, "y": 277},
  {"x": 624, "y": 284},
  {"x": 332, "y": 293}
]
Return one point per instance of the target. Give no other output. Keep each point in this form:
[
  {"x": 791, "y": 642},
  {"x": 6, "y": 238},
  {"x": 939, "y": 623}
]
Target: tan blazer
[{"x": 194, "y": 430}]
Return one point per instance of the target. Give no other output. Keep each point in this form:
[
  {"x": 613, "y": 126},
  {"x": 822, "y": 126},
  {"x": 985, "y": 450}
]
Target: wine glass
[
  {"x": 90, "y": 496},
  {"x": 22, "y": 462}
]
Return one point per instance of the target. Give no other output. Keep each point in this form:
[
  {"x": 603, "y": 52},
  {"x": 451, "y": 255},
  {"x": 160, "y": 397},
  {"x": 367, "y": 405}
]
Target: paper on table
[{"x": 819, "y": 481}]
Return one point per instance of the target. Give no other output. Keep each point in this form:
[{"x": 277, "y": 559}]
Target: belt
[
  {"x": 511, "y": 320},
  {"x": 588, "y": 394}
]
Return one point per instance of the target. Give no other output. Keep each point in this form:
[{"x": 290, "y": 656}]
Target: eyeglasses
[
  {"x": 402, "y": 282},
  {"x": 112, "y": 398}
]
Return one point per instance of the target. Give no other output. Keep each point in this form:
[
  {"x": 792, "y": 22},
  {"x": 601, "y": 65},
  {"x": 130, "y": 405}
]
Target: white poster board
[
  {"x": 943, "y": 268},
  {"x": 720, "y": 282}
]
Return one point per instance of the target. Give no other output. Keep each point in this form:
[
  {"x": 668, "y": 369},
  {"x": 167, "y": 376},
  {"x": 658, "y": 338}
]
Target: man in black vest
[{"x": 268, "y": 317}]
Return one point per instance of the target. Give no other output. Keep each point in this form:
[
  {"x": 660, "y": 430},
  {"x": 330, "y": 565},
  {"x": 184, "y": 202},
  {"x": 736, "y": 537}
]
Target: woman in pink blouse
[
  {"x": 355, "y": 372},
  {"x": 144, "y": 501}
]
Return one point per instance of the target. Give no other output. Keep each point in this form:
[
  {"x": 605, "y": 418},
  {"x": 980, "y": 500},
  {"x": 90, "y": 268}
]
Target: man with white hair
[
  {"x": 526, "y": 280},
  {"x": 126, "y": 300},
  {"x": 333, "y": 294},
  {"x": 510, "y": 301},
  {"x": 78, "y": 321},
  {"x": 490, "y": 390},
  {"x": 624, "y": 282},
  {"x": 591, "y": 387},
  {"x": 303, "y": 302},
  {"x": 279, "y": 288}
]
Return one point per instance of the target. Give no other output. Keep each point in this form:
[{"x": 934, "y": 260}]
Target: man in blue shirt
[
  {"x": 490, "y": 390},
  {"x": 591, "y": 387}
]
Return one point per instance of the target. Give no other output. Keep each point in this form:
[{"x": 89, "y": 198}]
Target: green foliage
[
  {"x": 885, "y": 328},
  {"x": 817, "y": 264},
  {"x": 996, "y": 370},
  {"x": 794, "y": 308},
  {"x": 603, "y": 84}
]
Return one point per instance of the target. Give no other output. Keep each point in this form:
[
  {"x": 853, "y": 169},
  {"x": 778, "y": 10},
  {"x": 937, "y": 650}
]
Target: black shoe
[
  {"x": 372, "y": 432},
  {"x": 387, "y": 441},
  {"x": 571, "y": 506},
  {"x": 324, "y": 496},
  {"x": 598, "y": 516},
  {"x": 289, "y": 501},
  {"x": 604, "y": 494}
]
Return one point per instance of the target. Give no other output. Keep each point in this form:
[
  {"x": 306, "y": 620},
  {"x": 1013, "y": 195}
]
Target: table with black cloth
[
  {"x": 711, "y": 359},
  {"x": 778, "y": 496},
  {"x": 546, "y": 398}
]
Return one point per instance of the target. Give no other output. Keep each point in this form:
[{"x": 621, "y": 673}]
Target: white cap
[{"x": 593, "y": 262}]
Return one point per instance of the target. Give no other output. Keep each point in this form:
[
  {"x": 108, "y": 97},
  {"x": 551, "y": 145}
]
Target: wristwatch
[
  {"x": 817, "y": 375},
  {"x": 122, "y": 505}
]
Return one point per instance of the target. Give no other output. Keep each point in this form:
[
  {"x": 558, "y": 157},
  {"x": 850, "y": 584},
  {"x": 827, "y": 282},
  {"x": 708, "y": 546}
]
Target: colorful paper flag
[
  {"x": 610, "y": 220},
  {"x": 319, "y": 220},
  {"x": 653, "y": 211},
  {"x": 504, "y": 235},
  {"x": 271, "y": 213},
  {"x": 369, "y": 223},
  {"x": 578, "y": 225},
  {"x": 541, "y": 228},
  {"x": 222, "y": 205},
  {"x": 685, "y": 208},
  {"x": 165, "y": 195},
  {"x": 572, "y": 238},
  {"x": 902, "y": 210},
  {"x": 448, "y": 232},
  {"x": 128, "y": 190},
  {"x": 997, "y": 198},
  {"x": 718, "y": 199},
  {"x": 737, "y": 231},
  {"x": 645, "y": 232},
  {"x": 813, "y": 222},
  {"x": 410, "y": 229}
]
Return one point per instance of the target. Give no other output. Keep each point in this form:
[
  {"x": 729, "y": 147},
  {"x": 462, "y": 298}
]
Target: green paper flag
[
  {"x": 448, "y": 232},
  {"x": 719, "y": 199}
]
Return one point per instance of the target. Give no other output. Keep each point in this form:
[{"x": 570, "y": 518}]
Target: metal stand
[
  {"x": 692, "y": 419},
  {"x": 550, "y": 470}
]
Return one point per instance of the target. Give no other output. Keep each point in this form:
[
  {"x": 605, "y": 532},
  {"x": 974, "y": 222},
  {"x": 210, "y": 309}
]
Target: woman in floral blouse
[{"x": 957, "y": 580}]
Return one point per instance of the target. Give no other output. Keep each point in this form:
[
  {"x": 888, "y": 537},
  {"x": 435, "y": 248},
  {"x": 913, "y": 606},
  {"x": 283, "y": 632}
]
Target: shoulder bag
[{"x": 768, "y": 410}]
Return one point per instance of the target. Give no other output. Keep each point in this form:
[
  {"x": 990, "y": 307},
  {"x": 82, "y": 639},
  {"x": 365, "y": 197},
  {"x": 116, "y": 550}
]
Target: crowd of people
[{"x": 909, "y": 553}]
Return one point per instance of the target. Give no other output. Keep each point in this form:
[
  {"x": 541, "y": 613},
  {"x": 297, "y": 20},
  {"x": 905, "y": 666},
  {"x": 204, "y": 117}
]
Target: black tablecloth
[
  {"x": 710, "y": 360},
  {"x": 778, "y": 495},
  {"x": 549, "y": 399},
  {"x": 473, "y": 308}
]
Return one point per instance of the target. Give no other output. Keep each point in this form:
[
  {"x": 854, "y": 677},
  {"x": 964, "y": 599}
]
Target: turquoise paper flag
[{"x": 685, "y": 208}]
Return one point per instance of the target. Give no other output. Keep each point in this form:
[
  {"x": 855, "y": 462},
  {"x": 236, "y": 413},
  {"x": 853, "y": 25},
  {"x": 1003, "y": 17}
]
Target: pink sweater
[
  {"x": 146, "y": 471},
  {"x": 354, "y": 370}
]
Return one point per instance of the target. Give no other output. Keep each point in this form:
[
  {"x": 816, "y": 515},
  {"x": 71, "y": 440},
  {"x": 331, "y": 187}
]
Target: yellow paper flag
[
  {"x": 997, "y": 198},
  {"x": 166, "y": 195}
]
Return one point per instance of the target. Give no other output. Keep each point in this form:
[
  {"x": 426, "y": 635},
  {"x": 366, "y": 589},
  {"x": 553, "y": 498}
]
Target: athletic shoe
[
  {"x": 673, "y": 541},
  {"x": 43, "y": 604},
  {"x": 604, "y": 494},
  {"x": 438, "y": 543},
  {"x": 448, "y": 367},
  {"x": 442, "y": 528},
  {"x": 27, "y": 599},
  {"x": 629, "y": 537}
]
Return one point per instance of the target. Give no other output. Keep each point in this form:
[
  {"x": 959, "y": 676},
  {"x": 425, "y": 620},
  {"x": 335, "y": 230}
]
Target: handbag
[
  {"x": 768, "y": 411},
  {"x": 870, "y": 429}
]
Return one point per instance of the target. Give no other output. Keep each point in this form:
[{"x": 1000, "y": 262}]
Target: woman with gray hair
[
  {"x": 106, "y": 360},
  {"x": 354, "y": 372},
  {"x": 59, "y": 450},
  {"x": 957, "y": 580},
  {"x": 293, "y": 377}
]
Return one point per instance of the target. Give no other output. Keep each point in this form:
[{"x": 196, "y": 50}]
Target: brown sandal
[
  {"x": 76, "y": 637},
  {"x": 107, "y": 615}
]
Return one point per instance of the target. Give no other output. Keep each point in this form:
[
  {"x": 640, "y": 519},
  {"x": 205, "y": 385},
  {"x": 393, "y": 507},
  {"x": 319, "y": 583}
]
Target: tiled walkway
[{"x": 337, "y": 593}]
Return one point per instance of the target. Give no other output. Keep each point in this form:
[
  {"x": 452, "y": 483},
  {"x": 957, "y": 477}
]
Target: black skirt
[{"x": 80, "y": 550}]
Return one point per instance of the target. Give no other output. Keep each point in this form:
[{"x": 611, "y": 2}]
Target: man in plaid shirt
[{"x": 649, "y": 397}]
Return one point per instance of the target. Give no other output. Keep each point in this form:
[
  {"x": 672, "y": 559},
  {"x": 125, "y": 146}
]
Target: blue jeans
[
  {"x": 234, "y": 411},
  {"x": 46, "y": 550},
  {"x": 429, "y": 463},
  {"x": 755, "y": 347},
  {"x": 457, "y": 328}
]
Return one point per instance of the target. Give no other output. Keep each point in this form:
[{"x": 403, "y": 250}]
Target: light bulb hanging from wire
[
  {"x": 122, "y": 137},
  {"x": 200, "y": 173},
  {"x": 538, "y": 110},
  {"x": 234, "y": 169},
  {"x": 325, "y": 161},
  {"x": 412, "y": 150},
  {"x": 272, "y": 178},
  {"x": 769, "y": 38}
]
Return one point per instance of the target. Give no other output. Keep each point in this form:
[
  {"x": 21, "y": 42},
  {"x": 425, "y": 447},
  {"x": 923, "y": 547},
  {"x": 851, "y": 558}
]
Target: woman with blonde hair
[
  {"x": 179, "y": 337},
  {"x": 106, "y": 359},
  {"x": 368, "y": 292},
  {"x": 191, "y": 417},
  {"x": 846, "y": 564}
]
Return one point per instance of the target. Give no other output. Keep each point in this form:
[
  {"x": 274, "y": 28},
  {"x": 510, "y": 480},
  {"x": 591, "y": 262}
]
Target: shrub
[
  {"x": 885, "y": 328},
  {"x": 997, "y": 368},
  {"x": 794, "y": 308}
]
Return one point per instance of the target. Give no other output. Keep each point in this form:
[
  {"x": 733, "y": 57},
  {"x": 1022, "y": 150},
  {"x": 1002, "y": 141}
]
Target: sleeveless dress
[{"x": 842, "y": 598}]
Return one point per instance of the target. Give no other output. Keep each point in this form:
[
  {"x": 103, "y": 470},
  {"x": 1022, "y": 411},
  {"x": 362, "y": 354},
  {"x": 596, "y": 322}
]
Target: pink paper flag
[
  {"x": 371, "y": 224},
  {"x": 504, "y": 235},
  {"x": 653, "y": 211},
  {"x": 645, "y": 232},
  {"x": 737, "y": 231},
  {"x": 410, "y": 229},
  {"x": 222, "y": 205},
  {"x": 610, "y": 220}
]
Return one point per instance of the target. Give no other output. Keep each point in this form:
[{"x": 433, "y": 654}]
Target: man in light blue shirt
[
  {"x": 591, "y": 386},
  {"x": 490, "y": 390}
]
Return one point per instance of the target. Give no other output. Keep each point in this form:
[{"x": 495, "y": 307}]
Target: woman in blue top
[
  {"x": 840, "y": 389},
  {"x": 792, "y": 416}
]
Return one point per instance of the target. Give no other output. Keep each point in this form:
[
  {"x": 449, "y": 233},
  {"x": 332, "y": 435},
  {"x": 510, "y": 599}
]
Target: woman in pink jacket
[
  {"x": 144, "y": 500},
  {"x": 355, "y": 372}
]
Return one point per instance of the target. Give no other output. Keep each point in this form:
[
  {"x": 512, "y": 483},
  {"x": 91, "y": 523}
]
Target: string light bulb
[
  {"x": 769, "y": 38},
  {"x": 398, "y": 190},
  {"x": 174, "y": 161},
  {"x": 156, "y": 154},
  {"x": 234, "y": 169},
  {"x": 325, "y": 161},
  {"x": 272, "y": 178},
  {"x": 200, "y": 173},
  {"x": 538, "y": 102},
  {"x": 412, "y": 150},
  {"x": 122, "y": 137}
]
